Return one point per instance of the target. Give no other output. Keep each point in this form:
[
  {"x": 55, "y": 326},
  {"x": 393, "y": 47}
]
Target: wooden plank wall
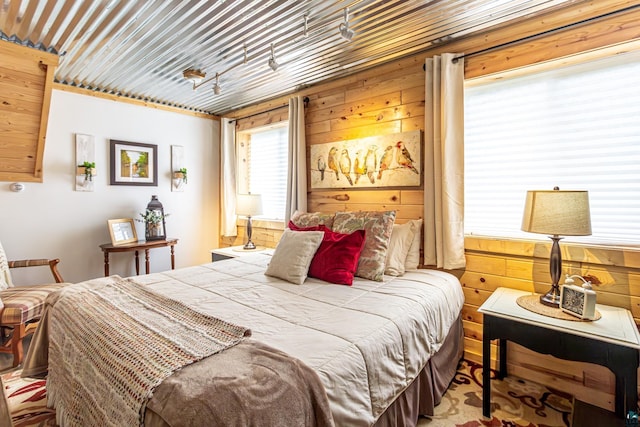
[
  {"x": 390, "y": 99},
  {"x": 26, "y": 79}
]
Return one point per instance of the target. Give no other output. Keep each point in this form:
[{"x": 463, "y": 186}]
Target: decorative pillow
[
  {"x": 399, "y": 244},
  {"x": 293, "y": 254},
  {"x": 5, "y": 275},
  {"x": 413, "y": 257},
  {"x": 336, "y": 260},
  {"x": 378, "y": 226},
  {"x": 311, "y": 219}
]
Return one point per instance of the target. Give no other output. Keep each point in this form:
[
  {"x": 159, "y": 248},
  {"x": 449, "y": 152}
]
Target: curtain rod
[
  {"x": 544, "y": 33},
  {"x": 305, "y": 100}
]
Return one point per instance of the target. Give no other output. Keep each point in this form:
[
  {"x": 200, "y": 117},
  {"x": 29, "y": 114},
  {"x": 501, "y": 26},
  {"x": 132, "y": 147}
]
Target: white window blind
[
  {"x": 576, "y": 127},
  {"x": 263, "y": 167}
]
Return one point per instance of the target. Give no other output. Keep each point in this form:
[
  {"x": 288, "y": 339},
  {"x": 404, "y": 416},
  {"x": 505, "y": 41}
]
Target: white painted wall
[{"x": 52, "y": 220}]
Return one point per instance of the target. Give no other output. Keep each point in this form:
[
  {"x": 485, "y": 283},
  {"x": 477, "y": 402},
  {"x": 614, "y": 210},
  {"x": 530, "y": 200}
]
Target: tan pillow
[
  {"x": 312, "y": 219},
  {"x": 399, "y": 244},
  {"x": 293, "y": 255},
  {"x": 5, "y": 275},
  {"x": 413, "y": 256},
  {"x": 378, "y": 227}
]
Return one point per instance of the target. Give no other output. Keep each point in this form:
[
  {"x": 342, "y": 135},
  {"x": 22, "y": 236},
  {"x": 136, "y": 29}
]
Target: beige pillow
[
  {"x": 312, "y": 219},
  {"x": 399, "y": 244},
  {"x": 413, "y": 256},
  {"x": 293, "y": 255},
  {"x": 377, "y": 226},
  {"x": 5, "y": 275}
]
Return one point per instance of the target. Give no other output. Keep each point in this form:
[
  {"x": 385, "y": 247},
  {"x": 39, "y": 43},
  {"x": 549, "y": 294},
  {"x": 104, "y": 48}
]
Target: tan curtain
[
  {"x": 444, "y": 163},
  {"x": 297, "y": 178},
  {"x": 228, "y": 178}
]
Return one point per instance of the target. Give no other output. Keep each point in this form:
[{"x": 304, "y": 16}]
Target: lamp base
[
  {"x": 551, "y": 298},
  {"x": 249, "y": 245}
]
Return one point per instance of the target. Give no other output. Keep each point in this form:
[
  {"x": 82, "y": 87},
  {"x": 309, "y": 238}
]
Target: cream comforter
[{"x": 366, "y": 342}]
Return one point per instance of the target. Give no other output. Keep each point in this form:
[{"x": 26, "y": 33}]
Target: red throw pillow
[{"x": 336, "y": 260}]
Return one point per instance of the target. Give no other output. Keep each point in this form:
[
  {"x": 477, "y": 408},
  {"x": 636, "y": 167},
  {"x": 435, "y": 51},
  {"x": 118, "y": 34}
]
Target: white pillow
[
  {"x": 401, "y": 238},
  {"x": 413, "y": 257},
  {"x": 293, "y": 255}
]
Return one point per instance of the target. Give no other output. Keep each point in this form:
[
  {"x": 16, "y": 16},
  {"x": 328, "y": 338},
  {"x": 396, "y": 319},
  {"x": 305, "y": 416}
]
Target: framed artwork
[
  {"x": 122, "y": 231},
  {"x": 393, "y": 160},
  {"x": 133, "y": 163}
]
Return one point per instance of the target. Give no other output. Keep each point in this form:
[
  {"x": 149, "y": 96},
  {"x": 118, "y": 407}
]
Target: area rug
[
  {"x": 27, "y": 401},
  {"x": 514, "y": 402}
]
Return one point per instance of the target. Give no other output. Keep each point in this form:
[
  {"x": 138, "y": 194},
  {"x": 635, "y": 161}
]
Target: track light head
[
  {"x": 272, "y": 61},
  {"x": 346, "y": 32},
  {"x": 216, "y": 86}
]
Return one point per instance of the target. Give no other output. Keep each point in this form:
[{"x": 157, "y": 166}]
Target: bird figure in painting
[
  {"x": 345, "y": 165},
  {"x": 370, "y": 162},
  {"x": 321, "y": 167},
  {"x": 359, "y": 166},
  {"x": 332, "y": 161},
  {"x": 385, "y": 161},
  {"x": 403, "y": 157}
]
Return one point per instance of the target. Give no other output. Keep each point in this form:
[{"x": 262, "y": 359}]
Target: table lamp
[
  {"x": 249, "y": 205},
  {"x": 556, "y": 213}
]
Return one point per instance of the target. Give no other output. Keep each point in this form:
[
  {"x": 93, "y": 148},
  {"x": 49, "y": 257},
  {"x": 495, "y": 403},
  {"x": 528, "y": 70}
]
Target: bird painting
[
  {"x": 321, "y": 167},
  {"x": 370, "y": 162},
  {"x": 385, "y": 161},
  {"x": 404, "y": 158},
  {"x": 332, "y": 161},
  {"x": 345, "y": 165},
  {"x": 359, "y": 165}
]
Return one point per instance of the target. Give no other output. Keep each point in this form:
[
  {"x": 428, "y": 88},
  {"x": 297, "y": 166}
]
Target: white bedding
[{"x": 367, "y": 342}]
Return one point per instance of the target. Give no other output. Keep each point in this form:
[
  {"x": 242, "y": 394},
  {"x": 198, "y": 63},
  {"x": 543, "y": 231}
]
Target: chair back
[{"x": 5, "y": 275}]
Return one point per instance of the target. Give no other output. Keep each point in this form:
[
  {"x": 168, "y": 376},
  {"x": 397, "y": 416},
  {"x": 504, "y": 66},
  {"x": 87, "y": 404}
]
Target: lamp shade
[
  {"x": 557, "y": 212},
  {"x": 249, "y": 204}
]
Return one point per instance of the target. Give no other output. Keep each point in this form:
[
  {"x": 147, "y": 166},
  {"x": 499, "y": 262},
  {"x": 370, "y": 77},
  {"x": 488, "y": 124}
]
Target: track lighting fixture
[
  {"x": 306, "y": 26},
  {"x": 216, "y": 86},
  {"x": 272, "y": 61},
  {"x": 346, "y": 32},
  {"x": 194, "y": 76}
]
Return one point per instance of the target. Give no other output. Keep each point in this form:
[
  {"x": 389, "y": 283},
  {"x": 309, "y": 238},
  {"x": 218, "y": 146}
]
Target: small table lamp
[
  {"x": 249, "y": 205},
  {"x": 556, "y": 213}
]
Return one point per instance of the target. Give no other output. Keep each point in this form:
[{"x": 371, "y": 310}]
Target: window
[
  {"x": 576, "y": 127},
  {"x": 262, "y": 167}
]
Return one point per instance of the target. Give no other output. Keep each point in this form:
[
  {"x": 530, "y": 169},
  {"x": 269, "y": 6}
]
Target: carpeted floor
[{"x": 514, "y": 402}]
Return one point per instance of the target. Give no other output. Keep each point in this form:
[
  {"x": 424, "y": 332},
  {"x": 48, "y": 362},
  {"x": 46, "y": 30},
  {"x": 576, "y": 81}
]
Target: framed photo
[
  {"x": 393, "y": 160},
  {"x": 133, "y": 163},
  {"x": 122, "y": 231}
]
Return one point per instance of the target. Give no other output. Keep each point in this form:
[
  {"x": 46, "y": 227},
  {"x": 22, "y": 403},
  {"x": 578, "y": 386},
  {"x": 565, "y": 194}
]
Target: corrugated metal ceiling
[{"x": 140, "y": 49}]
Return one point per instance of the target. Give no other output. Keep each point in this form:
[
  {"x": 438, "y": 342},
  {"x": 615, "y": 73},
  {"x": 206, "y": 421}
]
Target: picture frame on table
[
  {"x": 133, "y": 163},
  {"x": 122, "y": 231}
]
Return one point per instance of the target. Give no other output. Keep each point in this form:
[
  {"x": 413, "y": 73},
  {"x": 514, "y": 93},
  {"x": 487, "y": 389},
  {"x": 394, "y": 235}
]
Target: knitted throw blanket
[{"x": 112, "y": 343}]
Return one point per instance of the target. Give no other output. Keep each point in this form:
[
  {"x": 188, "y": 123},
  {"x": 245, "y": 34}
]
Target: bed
[{"x": 383, "y": 351}]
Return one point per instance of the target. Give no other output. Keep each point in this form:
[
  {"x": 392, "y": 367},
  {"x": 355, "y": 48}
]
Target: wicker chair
[{"x": 21, "y": 307}]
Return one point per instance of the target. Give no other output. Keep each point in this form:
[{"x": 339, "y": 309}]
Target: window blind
[
  {"x": 267, "y": 169},
  {"x": 576, "y": 127}
]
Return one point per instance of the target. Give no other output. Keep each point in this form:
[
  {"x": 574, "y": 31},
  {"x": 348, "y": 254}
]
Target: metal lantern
[{"x": 154, "y": 226}]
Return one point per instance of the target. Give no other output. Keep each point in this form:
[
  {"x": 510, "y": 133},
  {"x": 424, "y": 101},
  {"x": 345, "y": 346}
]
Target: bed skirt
[{"x": 426, "y": 391}]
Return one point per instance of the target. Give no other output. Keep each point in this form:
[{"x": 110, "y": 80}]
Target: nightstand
[
  {"x": 220, "y": 254},
  {"x": 612, "y": 341}
]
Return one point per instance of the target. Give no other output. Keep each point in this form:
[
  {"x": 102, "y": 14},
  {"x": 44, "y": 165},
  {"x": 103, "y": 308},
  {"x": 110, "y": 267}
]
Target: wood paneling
[
  {"x": 390, "y": 98},
  {"x": 26, "y": 76}
]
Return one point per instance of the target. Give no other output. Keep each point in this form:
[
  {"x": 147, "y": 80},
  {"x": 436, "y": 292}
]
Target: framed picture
[
  {"x": 133, "y": 163},
  {"x": 393, "y": 160},
  {"x": 122, "y": 231}
]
